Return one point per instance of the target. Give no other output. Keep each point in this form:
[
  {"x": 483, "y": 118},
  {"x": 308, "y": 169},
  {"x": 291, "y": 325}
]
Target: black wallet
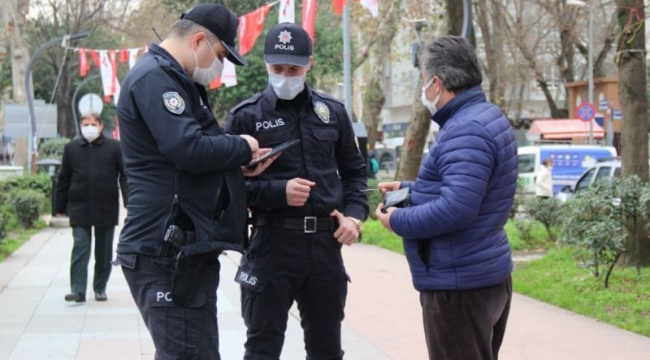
[{"x": 398, "y": 198}]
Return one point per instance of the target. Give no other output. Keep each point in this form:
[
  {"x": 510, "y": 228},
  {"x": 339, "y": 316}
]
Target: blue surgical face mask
[
  {"x": 287, "y": 87},
  {"x": 204, "y": 76},
  {"x": 431, "y": 105}
]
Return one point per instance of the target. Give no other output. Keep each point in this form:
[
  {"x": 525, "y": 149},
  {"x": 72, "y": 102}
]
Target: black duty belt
[{"x": 308, "y": 224}]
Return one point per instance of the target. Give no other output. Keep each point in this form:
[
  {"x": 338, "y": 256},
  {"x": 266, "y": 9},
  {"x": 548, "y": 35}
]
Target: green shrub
[
  {"x": 4, "y": 221},
  {"x": 38, "y": 182},
  {"x": 593, "y": 226},
  {"x": 548, "y": 212},
  {"x": 53, "y": 148},
  {"x": 27, "y": 204}
]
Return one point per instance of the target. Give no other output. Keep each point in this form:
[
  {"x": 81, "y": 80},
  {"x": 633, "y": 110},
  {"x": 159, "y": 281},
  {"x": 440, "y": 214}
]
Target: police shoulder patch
[{"x": 174, "y": 102}]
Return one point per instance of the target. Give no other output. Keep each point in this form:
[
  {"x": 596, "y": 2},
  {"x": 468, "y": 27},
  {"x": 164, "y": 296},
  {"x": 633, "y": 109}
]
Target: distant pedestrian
[
  {"x": 544, "y": 180},
  {"x": 87, "y": 191},
  {"x": 373, "y": 165}
]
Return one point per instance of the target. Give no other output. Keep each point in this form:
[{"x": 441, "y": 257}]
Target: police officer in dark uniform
[
  {"x": 305, "y": 206},
  {"x": 185, "y": 180}
]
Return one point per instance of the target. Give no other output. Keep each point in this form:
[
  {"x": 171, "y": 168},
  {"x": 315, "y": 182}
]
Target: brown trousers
[{"x": 466, "y": 324}]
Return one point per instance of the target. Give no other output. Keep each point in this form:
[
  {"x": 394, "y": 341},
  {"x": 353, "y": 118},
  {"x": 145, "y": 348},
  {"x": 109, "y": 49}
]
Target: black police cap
[
  {"x": 287, "y": 43},
  {"x": 221, "y": 22}
]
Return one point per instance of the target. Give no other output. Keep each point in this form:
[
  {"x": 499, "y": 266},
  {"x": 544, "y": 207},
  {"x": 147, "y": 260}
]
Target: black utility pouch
[{"x": 186, "y": 271}]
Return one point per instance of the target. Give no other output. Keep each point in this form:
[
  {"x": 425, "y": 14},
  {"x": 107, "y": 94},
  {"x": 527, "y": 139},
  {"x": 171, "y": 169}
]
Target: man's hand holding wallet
[{"x": 394, "y": 198}]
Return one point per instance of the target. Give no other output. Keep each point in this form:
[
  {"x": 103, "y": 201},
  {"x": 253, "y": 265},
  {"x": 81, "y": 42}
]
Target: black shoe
[
  {"x": 100, "y": 296},
  {"x": 76, "y": 297}
]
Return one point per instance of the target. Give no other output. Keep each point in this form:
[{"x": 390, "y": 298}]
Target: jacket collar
[
  {"x": 98, "y": 142},
  {"x": 468, "y": 97},
  {"x": 160, "y": 52}
]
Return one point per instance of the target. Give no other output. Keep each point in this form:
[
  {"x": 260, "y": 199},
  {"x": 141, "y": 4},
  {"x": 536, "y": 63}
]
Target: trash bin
[{"x": 51, "y": 167}]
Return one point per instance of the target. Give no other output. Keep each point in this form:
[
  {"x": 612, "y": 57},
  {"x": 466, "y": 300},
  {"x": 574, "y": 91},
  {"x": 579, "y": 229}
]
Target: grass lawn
[
  {"x": 16, "y": 237},
  {"x": 557, "y": 279}
]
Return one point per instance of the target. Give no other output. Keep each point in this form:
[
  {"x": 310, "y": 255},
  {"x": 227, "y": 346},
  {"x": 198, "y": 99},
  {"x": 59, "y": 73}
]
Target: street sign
[
  {"x": 90, "y": 103},
  {"x": 603, "y": 105},
  {"x": 617, "y": 115},
  {"x": 586, "y": 111}
]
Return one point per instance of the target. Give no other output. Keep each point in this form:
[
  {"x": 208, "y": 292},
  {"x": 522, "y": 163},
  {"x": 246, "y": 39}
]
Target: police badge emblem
[
  {"x": 322, "y": 111},
  {"x": 173, "y": 102}
]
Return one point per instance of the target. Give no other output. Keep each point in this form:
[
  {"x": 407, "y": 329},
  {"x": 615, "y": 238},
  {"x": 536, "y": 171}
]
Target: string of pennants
[{"x": 250, "y": 28}]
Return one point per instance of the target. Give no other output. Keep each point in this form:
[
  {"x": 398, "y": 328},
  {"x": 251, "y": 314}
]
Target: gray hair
[
  {"x": 453, "y": 60},
  {"x": 91, "y": 115},
  {"x": 183, "y": 28}
]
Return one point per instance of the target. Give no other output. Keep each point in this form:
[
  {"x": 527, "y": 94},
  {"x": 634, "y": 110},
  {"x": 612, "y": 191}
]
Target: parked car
[{"x": 602, "y": 170}]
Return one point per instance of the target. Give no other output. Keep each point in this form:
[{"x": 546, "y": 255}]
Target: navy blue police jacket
[
  {"x": 328, "y": 154},
  {"x": 174, "y": 150}
]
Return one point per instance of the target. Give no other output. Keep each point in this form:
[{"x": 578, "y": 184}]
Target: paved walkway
[{"x": 383, "y": 315}]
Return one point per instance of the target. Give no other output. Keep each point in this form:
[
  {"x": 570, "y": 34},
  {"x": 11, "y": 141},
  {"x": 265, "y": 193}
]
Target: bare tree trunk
[
  {"x": 455, "y": 19},
  {"x": 634, "y": 103},
  {"x": 374, "y": 99},
  {"x": 418, "y": 129},
  {"x": 14, "y": 19},
  {"x": 65, "y": 122},
  {"x": 416, "y": 135},
  {"x": 490, "y": 21}
]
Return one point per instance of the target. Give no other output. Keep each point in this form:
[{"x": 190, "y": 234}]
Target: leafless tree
[{"x": 630, "y": 58}]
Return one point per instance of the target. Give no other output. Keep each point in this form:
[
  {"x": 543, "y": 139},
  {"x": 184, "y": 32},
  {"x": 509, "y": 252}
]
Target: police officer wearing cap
[
  {"x": 305, "y": 206},
  {"x": 186, "y": 201}
]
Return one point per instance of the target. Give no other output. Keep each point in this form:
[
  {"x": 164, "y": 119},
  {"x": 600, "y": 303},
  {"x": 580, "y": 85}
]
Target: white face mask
[
  {"x": 205, "y": 76},
  {"x": 90, "y": 132},
  {"x": 286, "y": 87},
  {"x": 431, "y": 105}
]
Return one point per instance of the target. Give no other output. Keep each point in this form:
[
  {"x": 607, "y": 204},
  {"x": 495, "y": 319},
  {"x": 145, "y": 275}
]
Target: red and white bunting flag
[
  {"x": 108, "y": 70},
  {"x": 133, "y": 56},
  {"x": 287, "y": 11},
  {"x": 95, "y": 57},
  {"x": 250, "y": 28},
  {"x": 124, "y": 56},
  {"x": 338, "y": 6},
  {"x": 115, "y": 85},
  {"x": 84, "y": 66},
  {"x": 309, "y": 17},
  {"x": 229, "y": 75},
  {"x": 216, "y": 83},
  {"x": 116, "y": 129},
  {"x": 372, "y": 6}
]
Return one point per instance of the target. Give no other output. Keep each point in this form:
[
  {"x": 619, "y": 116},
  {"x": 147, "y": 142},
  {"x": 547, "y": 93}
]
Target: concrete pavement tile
[
  {"x": 17, "y": 261},
  {"x": 102, "y": 348},
  {"x": 46, "y": 346},
  {"x": 54, "y": 324},
  {"x": 8, "y": 341},
  {"x": 107, "y": 323}
]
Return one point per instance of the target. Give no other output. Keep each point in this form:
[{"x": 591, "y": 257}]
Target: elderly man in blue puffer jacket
[{"x": 454, "y": 240}]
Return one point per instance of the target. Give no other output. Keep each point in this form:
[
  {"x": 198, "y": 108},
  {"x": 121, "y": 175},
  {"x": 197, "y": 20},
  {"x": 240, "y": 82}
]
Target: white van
[{"x": 569, "y": 162}]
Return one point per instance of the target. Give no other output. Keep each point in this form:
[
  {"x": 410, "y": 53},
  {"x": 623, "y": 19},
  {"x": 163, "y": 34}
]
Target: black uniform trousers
[
  {"x": 286, "y": 265},
  {"x": 178, "y": 333},
  {"x": 466, "y": 324}
]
